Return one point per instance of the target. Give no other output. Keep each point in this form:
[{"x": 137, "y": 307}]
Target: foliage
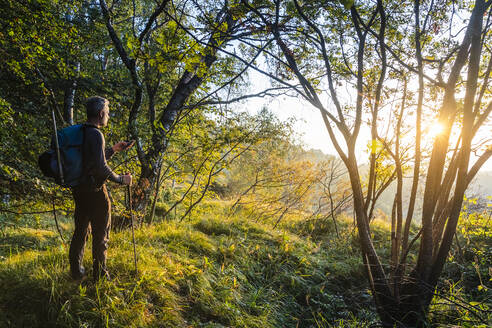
[
  {"x": 393, "y": 67},
  {"x": 278, "y": 178},
  {"x": 202, "y": 151},
  {"x": 170, "y": 70},
  {"x": 465, "y": 296}
]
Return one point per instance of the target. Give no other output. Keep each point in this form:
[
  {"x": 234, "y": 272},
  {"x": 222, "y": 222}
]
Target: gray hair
[{"x": 94, "y": 105}]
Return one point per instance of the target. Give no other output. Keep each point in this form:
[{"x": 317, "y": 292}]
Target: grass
[
  {"x": 210, "y": 271},
  {"x": 221, "y": 270}
]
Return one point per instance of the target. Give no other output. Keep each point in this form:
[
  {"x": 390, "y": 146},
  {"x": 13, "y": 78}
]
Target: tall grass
[
  {"x": 222, "y": 270},
  {"x": 211, "y": 271}
]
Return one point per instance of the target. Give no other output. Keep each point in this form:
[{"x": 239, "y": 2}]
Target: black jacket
[{"x": 95, "y": 156}]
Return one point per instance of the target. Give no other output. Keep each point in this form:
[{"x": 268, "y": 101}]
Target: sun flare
[{"x": 435, "y": 129}]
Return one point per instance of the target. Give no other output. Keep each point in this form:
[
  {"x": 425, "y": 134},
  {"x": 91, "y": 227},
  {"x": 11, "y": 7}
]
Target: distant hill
[
  {"x": 482, "y": 184},
  {"x": 480, "y": 187},
  {"x": 316, "y": 155}
]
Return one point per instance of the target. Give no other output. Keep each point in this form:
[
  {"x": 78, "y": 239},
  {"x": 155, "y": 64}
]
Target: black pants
[{"x": 94, "y": 208}]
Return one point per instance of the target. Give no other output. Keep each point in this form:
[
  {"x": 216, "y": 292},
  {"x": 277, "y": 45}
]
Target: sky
[{"x": 309, "y": 124}]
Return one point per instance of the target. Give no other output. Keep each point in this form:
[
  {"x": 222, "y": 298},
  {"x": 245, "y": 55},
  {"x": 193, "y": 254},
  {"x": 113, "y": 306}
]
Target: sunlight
[{"x": 435, "y": 129}]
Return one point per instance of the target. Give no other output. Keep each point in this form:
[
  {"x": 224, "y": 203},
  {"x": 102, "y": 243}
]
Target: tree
[
  {"x": 192, "y": 56},
  {"x": 277, "y": 178},
  {"x": 34, "y": 60},
  {"x": 156, "y": 63},
  {"x": 377, "y": 50},
  {"x": 200, "y": 152}
]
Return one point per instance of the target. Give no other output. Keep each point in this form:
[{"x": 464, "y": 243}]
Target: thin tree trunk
[
  {"x": 418, "y": 133},
  {"x": 70, "y": 96}
]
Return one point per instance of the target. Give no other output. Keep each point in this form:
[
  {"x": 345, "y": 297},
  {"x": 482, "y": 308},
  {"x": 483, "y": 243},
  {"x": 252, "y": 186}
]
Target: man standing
[{"x": 92, "y": 204}]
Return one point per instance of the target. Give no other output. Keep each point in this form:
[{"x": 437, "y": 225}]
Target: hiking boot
[
  {"x": 79, "y": 274},
  {"x": 103, "y": 275}
]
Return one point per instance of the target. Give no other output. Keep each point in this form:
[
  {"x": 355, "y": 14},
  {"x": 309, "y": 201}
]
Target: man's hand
[
  {"x": 127, "y": 179},
  {"x": 123, "y": 145}
]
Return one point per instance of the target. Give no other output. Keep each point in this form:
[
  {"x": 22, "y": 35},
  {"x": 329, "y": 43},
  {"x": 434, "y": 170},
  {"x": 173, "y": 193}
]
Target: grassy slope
[
  {"x": 217, "y": 270},
  {"x": 211, "y": 271}
]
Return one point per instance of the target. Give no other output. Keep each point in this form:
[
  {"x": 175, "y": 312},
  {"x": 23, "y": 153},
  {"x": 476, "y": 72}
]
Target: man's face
[{"x": 104, "y": 118}]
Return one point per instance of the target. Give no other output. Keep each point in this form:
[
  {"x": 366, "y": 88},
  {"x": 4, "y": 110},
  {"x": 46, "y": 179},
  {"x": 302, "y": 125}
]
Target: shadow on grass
[{"x": 27, "y": 239}]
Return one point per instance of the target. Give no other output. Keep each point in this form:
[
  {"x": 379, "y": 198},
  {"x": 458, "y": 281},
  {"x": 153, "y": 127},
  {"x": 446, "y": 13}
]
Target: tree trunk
[{"x": 69, "y": 97}]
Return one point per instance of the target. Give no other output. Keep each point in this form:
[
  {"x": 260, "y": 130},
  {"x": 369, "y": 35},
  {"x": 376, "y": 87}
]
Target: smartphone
[{"x": 129, "y": 143}]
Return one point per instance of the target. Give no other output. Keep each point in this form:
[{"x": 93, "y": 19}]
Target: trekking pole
[
  {"x": 56, "y": 220},
  {"x": 58, "y": 157},
  {"x": 133, "y": 230}
]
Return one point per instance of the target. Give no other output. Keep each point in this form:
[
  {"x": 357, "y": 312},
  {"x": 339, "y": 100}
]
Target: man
[{"x": 92, "y": 204}]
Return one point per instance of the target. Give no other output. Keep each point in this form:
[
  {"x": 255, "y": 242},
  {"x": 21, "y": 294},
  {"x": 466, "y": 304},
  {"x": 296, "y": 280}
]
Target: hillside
[
  {"x": 211, "y": 271},
  {"x": 221, "y": 270}
]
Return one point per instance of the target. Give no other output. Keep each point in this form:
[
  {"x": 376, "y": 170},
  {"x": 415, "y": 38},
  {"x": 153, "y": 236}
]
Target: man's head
[{"x": 97, "y": 110}]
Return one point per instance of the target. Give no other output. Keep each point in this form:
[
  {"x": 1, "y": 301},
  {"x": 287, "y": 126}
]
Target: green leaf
[
  {"x": 375, "y": 146},
  {"x": 347, "y": 3}
]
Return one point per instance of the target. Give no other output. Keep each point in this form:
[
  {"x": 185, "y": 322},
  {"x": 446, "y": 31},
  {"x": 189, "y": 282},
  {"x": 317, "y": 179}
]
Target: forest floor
[{"x": 213, "y": 270}]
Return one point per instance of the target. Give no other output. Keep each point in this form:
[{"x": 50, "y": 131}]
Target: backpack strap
[{"x": 85, "y": 175}]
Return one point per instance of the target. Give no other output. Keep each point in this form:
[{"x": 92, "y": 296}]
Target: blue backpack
[{"x": 70, "y": 141}]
